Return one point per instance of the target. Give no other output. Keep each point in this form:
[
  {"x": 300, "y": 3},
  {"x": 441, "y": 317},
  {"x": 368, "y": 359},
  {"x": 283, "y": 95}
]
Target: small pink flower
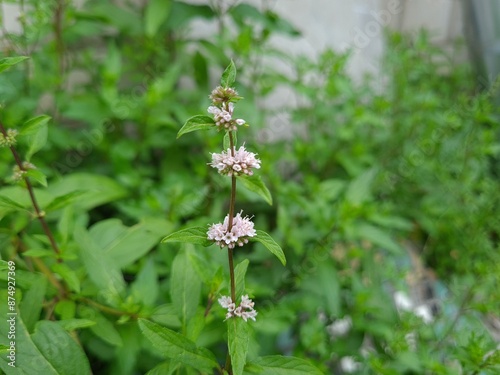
[
  {"x": 223, "y": 116},
  {"x": 240, "y": 164},
  {"x": 242, "y": 228},
  {"x": 245, "y": 310}
]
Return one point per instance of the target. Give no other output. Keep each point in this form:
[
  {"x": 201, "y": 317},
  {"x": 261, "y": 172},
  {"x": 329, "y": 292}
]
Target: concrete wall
[
  {"x": 342, "y": 24},
  {"x": 359, "y": 24}
]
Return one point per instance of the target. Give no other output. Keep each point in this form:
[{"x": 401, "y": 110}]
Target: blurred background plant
[{"x": 385, "y": 198}]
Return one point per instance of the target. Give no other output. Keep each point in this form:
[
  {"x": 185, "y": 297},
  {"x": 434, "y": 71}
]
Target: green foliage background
[{"x": 374, "y": 191}]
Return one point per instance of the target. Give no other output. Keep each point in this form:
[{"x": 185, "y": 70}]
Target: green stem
[
  {"x": 232, "y": 200},
  {"x": 230, "y": 223},
  {"x": 39, "y": 213},
  {"x": 107, "y": 309},
  {"x": 463, "y": 306},
  {"x": 58, "y": 32},
  {"x": 228, "y": 366},
  {"x": 50, "y": 276}
]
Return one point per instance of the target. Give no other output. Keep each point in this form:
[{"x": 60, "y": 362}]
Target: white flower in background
[
  {"x": 340, "y": 327},
  {"x": 240, "y": 164},
  {"x": 424, "y": 312},
  {"x": 349, "y": 365},
  {"x": 322, "y": 317},
  {"x": 238, "y": 235},
  {"x": 245, "y": 310},
  {"x": 402, "y": 301}
]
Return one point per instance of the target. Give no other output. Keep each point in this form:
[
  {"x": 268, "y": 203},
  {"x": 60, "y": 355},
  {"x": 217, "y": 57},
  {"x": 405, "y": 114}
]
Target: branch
[{"x": 39, "y": 213}]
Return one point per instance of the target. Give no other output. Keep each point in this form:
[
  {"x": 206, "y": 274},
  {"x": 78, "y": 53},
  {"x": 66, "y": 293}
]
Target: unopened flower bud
[
  {"x": 221, "y": 95},
  {"x": 9, "y": 139}
]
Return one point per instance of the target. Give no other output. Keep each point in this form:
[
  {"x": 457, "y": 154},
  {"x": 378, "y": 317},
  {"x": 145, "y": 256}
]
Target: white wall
[
  {"x": 341, "y": 24},
  {"x": 359, "y": 24}
]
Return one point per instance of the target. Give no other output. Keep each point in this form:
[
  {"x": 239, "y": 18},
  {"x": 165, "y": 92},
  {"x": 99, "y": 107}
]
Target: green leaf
[
  {"x": 32, "y": 302},
  {"x": 60, "y": 349},
  {"x": 74, "y": 324},
  {"x": 196, "y": 235},
  {"x": 229, "y": 75},
  {"x": 104, "y": 273},
  {"x": 164, "y": 84},
  {"x": 69, "y": 276},
  {"x": 145, "y": 288},
  {"x": 328, "y": 284},
  {"x": 65, "y": 309},
  {"x": 156, "y": 14},
  {"x": 102, "y": 328},
  {"x": 64, "y": 200},
  {"x": 98, "y": 189},
  {"x": 359, "y": 190},
  {"x": 33, "y": 125},
  {"x": 279, "y": 365},
  {"x": 183, "y": 13},
  {"x": 323, "y": 284},
  {"x": 7, "y": 62},
  {"x": 176, "y": 346},
  {"x": 9, "y": 203},
  {"x": 123, "y": 245},
  {"x": 111, "y": 71},
  {"x": 185, "y": 287},
  {"x": 166, "y": 315},
  {"x": 38, "y": 176},
  {"x": 198, "y": 122},
  {"x": 200, "y": 70},
  {"x": 376, "y": 235},
  {"x": 255, "y": 184},
  {"x": 266, "y": 240},
  {"x": 36, "y": 131},
  {"x": 39, "y": 253},
  {"x": 164, "y": 368},
  {"x": 237, "y": 341},
  {"x": 239, "y": 275},
  {"x": 29, "y": 359}
]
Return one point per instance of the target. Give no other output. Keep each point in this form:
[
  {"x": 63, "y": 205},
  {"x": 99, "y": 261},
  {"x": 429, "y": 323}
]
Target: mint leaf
[
  {"x": 239, "y": 274},
  {"x": 10, "y": 204},
  {"x": 60, "y": 349},
  {"x": 196, "y": 235},
  {"x": 255, "y": 184},
  {"x": 36, "y": 132},
  {"x": 229, "y": 75},
  {"x": 266, "y": 240},
  {"x": 156, "y": 13},
  {"x": 7, "y": 62},
  {"x": 198, "y": 122},
  {"x": 237, "y": 336},
  {"x": 176, "y": 346},
  {"x": 279, "y": 365}
]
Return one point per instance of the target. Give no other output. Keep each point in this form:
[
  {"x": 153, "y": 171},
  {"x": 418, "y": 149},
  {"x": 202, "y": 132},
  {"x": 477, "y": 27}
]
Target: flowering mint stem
[
  {"x": 39, "y": 213},
  {"x": 230, "y": 223}
]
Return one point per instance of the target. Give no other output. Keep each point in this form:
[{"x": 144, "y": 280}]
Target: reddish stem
[{"x": 39, "y": 213}]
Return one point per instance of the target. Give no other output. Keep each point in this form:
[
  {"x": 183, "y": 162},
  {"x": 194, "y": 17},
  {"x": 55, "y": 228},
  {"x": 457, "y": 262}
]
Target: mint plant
[{"x": 236, "y": 231}]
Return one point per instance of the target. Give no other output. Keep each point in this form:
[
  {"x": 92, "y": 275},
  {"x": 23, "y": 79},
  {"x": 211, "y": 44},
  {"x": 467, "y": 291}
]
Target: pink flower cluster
[
  {"x": 239, "y": 164},
  {"x": 224, "y": 117},
  {"x": 245, "y": 310},
  {"x": 238, "y": 235}
]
